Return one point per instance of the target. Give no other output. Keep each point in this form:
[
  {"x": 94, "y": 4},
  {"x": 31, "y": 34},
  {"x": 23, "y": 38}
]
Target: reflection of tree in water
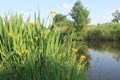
[
  {"x": 111, "y": 47},
  {"x": 117, "y": 57}
]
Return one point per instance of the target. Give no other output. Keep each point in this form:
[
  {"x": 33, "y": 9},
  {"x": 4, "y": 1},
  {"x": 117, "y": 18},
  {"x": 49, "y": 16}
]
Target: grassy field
[
  {"x": 29, "y": 51},
  {"x": 108, "y": 31}
]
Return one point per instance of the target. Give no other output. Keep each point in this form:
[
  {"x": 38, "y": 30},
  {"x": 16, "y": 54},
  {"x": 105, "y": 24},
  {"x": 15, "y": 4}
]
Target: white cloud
[{"x": 67, "y": 6}]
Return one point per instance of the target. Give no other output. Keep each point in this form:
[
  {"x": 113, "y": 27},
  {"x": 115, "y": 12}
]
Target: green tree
[
  {"x": 61, "y": 20},
  {"x": 80, "y": 15},
  {"x": 59, "y": 17},
  {"x": 116, "y": 16}
]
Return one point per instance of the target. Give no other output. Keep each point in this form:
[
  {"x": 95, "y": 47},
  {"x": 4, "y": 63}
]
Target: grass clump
[{"x": 29, "y": 51}]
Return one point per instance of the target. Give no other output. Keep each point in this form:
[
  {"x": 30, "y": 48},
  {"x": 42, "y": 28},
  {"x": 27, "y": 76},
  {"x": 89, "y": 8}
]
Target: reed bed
[
  {"x": 29, "y": 51},
  {"x": 102, "y": 32}
]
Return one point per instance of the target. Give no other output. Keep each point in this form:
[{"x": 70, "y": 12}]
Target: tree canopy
[
  {"x": 116, "y": 16},
  {"x": 59, "y": 17},
  {"x": 79, "y": 14},
  {"x": 61, "y": 20}
]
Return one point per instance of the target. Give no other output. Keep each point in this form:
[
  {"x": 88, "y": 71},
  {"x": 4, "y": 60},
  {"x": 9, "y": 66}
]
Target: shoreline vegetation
[
  {"x": 29, "y": 51},
  {"x": 54, "y": 49},
  {"x": 103, "y": 32}
]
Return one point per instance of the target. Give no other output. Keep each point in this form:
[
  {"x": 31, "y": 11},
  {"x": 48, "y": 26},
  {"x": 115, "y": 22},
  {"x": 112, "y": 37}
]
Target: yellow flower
[
  {"x": 10, "y": 34},
  {"x": 52, "y": 12},
  {"x": 32, "y": 23},
  {"x": 74, "y": 50},
  {"x": 36, "y": 38},
  {"x": 26, "y": 51},
  {"x": 59, "y": 56},
  {"x": 19, "y": 35},
  {"x": 82, "y": 57}
]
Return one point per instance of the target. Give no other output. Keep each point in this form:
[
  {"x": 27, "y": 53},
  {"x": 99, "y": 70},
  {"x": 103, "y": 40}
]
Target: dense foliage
[
  {"x": 28, "y": 51},
  {"x": 61, "y": 20},
  {"x": 80, "y": 15},
  {"x": 116, "y": 16}
]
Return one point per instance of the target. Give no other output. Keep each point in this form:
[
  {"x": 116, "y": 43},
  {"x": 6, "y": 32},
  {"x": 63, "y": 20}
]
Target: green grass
[
  {"x": 29, "y": 51},
  {"x": 108, "y": 31}
]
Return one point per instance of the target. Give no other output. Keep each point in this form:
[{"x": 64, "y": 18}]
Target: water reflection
[{"x": 105, "y": 60}]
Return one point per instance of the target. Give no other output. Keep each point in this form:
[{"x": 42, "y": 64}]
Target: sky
[{"x": 100, "y": 10}]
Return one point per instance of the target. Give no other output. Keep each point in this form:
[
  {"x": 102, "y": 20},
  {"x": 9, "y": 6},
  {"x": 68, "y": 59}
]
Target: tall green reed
[
  {"x": 108, "y": 31},
  {"x": 31, "y": 52}
]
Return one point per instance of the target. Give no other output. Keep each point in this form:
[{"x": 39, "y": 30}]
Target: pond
[{"x": 104, "y": 60}]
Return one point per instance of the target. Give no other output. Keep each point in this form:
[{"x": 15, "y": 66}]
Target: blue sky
[{"x": 100, "y": 10}]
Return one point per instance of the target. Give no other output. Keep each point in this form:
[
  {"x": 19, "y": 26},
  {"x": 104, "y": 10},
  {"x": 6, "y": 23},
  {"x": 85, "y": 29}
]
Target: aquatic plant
[{"x": 29, "y": 51}]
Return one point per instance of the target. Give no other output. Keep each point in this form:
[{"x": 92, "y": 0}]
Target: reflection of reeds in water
[{"x": 110, "y": 46}]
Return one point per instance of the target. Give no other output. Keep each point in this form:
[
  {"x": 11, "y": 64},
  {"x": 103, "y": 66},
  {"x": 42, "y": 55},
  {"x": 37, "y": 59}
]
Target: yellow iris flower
[
  {"x": 52, "y": 12},
  {"x": 10, "y": 34},
  {"x": 82, "y": 57},
  {"x": 32, "y": 23},
  {"x": 36, "y": 38},
  {"x": 74, "y": 49},
  {"x": 26, "y": 51}
]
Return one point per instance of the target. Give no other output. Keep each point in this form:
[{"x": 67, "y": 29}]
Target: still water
[{"x": 104, "y": 60}]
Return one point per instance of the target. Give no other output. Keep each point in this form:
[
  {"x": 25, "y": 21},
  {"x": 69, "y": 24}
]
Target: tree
[
  {"x": 116, "y": 16},
  {"x": 115, "y": 20},
  {"x": 80, "y": 15},
  {"x": 61, "y": 20},
  {"x": 59, "y": 17}
]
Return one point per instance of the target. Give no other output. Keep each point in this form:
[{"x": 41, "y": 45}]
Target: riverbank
[{"x": 103, "y": 32}]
